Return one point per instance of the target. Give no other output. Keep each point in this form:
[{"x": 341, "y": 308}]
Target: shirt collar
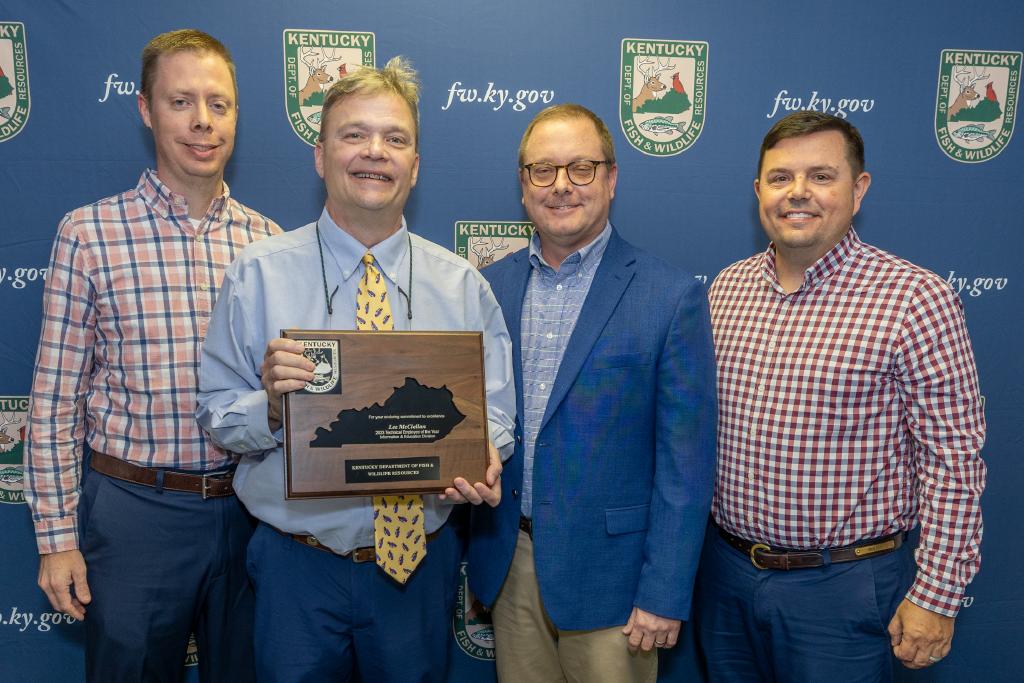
[
  {"x": 348, "y": 251},
  {"x": 581, "y": 260},
  {"x": 167, "y": 203},
  {"x": 823, "y": 268}
]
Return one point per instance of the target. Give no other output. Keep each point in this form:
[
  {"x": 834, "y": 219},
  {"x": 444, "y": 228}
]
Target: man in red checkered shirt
[{"x": 849, "y": 414}]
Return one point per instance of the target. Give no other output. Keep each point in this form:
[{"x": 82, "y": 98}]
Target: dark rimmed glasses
[{"x": 582, "y": 172}]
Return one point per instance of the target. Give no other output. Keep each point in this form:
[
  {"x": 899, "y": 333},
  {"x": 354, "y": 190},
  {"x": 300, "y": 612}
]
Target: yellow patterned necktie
[{"x": 398, "y": 531}]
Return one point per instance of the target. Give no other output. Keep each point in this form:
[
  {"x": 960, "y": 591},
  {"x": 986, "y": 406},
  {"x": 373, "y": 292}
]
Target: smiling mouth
[
  {"x": 200, "y": 147},
  {"x": 365, "y": 175},
  {"x": 798, "y": 215},
  {"x": 563, "y": 207}
]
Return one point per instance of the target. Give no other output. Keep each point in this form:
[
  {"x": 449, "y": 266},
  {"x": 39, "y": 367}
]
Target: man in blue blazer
[{"x": 589, "y": 561}]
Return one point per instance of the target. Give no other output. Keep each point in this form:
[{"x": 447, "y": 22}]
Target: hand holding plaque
[{"x": 386, "y": 412}]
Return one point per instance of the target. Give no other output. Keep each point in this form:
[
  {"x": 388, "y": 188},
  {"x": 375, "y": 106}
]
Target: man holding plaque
[
  {"x": 589, "y": 563},
  {"x": 325, "y": 597}
]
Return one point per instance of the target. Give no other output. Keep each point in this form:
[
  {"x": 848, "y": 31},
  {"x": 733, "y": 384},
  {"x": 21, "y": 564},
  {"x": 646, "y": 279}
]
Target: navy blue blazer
[{"x": 624, "y": 462}]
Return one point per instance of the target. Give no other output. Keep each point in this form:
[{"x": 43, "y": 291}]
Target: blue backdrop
[{"x": 70, "y": 134}]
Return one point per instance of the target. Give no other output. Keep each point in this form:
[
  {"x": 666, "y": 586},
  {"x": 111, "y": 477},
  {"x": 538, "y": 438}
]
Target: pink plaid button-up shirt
[
  {"x": 848, "y": 410},
  {"x": 129, "y": 291}
]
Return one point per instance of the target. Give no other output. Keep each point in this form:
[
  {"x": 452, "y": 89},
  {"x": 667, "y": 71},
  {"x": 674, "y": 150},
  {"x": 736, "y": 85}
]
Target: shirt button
[
  {"x": 760, "y": 388},
  {"x": 558, "y": 287},
  {"x": 550, "y": 335},
  {"x": 203, "y": 287},
  {"x": 771, "y": 345},
  {"x": 750, "y": 518},
  {"x": 199, "y": 238},
  {"x": 753, "y": 431},
  {"x": 543, "y": 386}
]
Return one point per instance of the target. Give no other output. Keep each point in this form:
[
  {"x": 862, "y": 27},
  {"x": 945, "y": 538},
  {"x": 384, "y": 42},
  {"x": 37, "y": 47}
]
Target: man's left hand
[
  {"x": 646, "y": 630},
  {"x": 919, "y": 637},
  {"x": 488, "y": 491}
]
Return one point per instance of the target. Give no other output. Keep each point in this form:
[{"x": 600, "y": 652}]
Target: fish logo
[
  {"x": 15, "y": 102},
  {"x": 976, "y": 103},
  {"x": 314, "y": 60},
  {"x": 663, "y": 94},
  {"x": 192, "y": 651},
  {"x": 471, "y": 623},
  {"x": 13, "y": 428},
  {"x": 484, "y": 242}
]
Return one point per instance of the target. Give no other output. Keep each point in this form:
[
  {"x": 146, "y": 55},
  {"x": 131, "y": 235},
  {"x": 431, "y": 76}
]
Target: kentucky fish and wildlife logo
[
  {"x": 976, "y": 103},
  {"x": 484, "y": 242},
  {"x": 662, "y": 94},
  {"x": 14, "y": 96},
  {"x": 313, "y": 61},
  {"x": 13, "y": 421},
  {"x": 471, "y": 624},
  {"x": 326, "y": 375}
]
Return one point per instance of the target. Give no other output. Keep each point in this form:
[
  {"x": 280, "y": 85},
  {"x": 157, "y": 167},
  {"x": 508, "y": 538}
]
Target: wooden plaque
[{"x": 388, "y": 412}]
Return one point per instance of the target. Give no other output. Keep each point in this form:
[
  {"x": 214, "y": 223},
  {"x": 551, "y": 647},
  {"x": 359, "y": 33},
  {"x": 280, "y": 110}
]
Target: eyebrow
[{"x": 813, "y": 169}]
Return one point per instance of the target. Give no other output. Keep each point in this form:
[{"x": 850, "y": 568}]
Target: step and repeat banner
[{"x": 687, "y": 88}]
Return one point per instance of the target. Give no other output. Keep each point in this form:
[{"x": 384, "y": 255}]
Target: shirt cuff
[
  {"x": 57, "y": 535},
  {"x": 934, "y": 596}
]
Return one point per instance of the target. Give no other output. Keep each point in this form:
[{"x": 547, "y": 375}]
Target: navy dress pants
[
  {"x": 822, "y": 624},
  {"x": 322, "y": 617},
  {"x": 162, "y": 565}
]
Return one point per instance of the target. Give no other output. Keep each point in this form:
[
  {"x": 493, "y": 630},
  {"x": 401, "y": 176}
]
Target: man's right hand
[
  {"x": 59, "y": 574},
  {"x": 284, "y": 369}
]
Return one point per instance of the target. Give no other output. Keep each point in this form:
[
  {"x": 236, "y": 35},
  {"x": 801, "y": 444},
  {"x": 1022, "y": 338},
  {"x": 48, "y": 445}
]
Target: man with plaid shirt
[
  {"x": 149, "y": 545},
  {"x": 849, "y": 414}
]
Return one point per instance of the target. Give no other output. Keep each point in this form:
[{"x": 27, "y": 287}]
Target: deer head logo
[
  {"x": 652, "y": 84},
  {"x": 316, "y": 60},
  {"x": 485, "y": 248},
  {"x": 8, "y": 442},
  {"x": 965, "y": 77}
]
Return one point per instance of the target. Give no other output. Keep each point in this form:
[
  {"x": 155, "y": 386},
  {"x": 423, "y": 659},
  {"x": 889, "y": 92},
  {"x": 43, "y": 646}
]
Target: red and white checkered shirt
[
  {"x": 129, "y": 291},
  {"x": 850, "y": 410}
]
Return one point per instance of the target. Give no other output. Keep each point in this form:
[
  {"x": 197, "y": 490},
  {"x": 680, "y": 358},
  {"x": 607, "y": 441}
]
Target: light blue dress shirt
[
  {"x": 276, "y": 284},
  {"x": 551, "y": 307}
]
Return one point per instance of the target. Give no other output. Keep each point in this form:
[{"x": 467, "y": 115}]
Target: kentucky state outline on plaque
[
  {"x": 662, "y": 94},
  {"x": 412, "y": 414}
]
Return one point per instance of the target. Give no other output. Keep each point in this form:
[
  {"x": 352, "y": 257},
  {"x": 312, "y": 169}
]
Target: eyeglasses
[{"x": 582, "y": 172}]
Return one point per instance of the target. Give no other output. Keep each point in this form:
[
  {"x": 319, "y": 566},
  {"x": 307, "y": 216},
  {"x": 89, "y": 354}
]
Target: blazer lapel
[
  {"x": 516, "y": 280},
  {"x": 610, "y": 281}
]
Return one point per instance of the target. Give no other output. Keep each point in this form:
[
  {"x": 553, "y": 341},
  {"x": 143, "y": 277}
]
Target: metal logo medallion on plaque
[{"x": 386, "y": 412}]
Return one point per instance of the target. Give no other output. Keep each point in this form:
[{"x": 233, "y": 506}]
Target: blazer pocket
[
  {"x": 626, "y": 520},
  {"x": 620, "y": 360}
]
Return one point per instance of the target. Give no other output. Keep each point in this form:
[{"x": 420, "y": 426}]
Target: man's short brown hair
[
  {"x": 397, "y": 77},
  {"x": 182, "y": 40},
  {"x": 570, "y": 111},
  {"x": 802, "y": 123}
]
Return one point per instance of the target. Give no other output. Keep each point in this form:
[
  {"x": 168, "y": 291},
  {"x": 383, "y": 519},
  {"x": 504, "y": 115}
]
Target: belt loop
[
  {"x": 159, "y": 484},
  {"x": 826, "y": 558}
]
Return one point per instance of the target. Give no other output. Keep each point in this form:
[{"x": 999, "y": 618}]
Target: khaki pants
[{"x": 528, "y": 647}]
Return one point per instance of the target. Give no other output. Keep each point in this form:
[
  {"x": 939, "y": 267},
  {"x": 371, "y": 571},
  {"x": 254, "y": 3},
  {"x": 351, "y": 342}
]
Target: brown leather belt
[
  {"x": 365, "y": 554},
  {"x": 764, "y": 556},
  {"x": 212, "y": 485},
  {"x": 526, "y": 524}
]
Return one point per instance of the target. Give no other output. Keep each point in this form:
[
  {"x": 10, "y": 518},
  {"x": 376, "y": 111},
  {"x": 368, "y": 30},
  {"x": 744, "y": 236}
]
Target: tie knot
[{"x": 368, "y": 259}]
